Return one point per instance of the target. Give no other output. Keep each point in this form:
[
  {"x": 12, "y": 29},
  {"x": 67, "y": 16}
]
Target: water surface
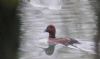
[{"x": 71, "y": 18}]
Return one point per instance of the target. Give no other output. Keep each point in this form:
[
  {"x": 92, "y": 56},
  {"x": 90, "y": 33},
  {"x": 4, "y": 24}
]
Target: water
[{"x": 71, "y": 18}]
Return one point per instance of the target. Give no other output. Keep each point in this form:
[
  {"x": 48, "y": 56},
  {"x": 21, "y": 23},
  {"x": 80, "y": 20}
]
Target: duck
[{"x": 53, "y": 41}]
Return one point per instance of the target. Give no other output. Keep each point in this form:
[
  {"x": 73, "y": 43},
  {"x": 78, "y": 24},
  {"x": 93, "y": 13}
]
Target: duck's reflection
[{"x": 53, "y": 41}]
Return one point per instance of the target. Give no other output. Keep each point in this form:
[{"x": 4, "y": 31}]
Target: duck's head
[{"x": 50, "y": 29}]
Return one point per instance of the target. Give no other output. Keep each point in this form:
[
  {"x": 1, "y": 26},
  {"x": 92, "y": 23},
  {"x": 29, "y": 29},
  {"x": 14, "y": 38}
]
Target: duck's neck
[{"x": 52, "y": 35}]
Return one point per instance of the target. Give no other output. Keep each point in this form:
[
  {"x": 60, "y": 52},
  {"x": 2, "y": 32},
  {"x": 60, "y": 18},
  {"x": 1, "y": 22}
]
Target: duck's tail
[{"x": 73, "y": 41}]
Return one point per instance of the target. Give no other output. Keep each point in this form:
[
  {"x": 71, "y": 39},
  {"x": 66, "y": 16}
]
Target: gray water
[{"x": 72, "y": 18}]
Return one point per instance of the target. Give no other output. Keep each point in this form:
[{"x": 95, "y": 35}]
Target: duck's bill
[{"x": 45, "y": 31}]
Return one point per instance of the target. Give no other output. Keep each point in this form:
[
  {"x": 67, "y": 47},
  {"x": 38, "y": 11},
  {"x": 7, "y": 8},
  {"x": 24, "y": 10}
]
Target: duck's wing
[
  {"x": 67, "y": 41},
  {"x": 63, "y": 41}
]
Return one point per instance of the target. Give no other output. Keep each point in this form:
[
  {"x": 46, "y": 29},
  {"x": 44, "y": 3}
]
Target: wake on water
[{"x": 85, "y": 46}]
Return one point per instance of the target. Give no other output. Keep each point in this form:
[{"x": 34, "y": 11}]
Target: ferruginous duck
[{"x": 52, "y": 40}]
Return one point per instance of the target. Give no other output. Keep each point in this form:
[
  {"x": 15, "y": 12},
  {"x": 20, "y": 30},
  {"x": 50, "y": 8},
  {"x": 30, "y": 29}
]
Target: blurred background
[{"x": 23, "y": 23}]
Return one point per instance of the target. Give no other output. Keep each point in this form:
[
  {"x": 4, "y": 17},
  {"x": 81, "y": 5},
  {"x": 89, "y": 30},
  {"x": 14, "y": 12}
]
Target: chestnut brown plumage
[{"x": 52, "y": 40}]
